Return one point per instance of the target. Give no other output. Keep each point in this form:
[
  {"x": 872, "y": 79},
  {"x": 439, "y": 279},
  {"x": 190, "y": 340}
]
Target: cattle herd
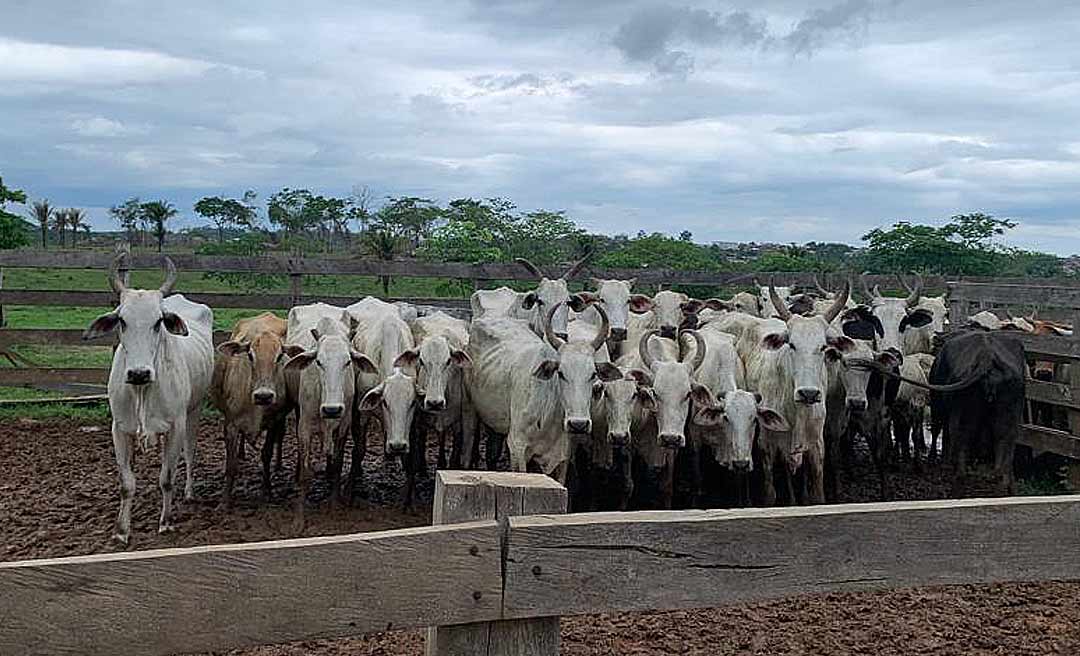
[{"x": 607, "y": 390}]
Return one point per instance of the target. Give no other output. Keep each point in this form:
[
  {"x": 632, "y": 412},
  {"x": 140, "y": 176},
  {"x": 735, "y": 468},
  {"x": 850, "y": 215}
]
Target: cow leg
[
  {"x": 918, "y": 437},
  {"x": 697, "y": 495},
  {"x": 280, "y": 444},
  {"x": 303, "y": 476},
  {"x": 335, "y": 463},
  {"x": 189, "y": 436},
  {"x": 957, "y": 444},
  {"x": 356, "y": 469},
  {"x": 233, "y": 439},
  {"x": 1004, "y": 432},
  {"x": 494, "y": 450},
  {"x": 241, "y": 452},
  {"x": 275, "y": 435},
  {"x": 902, "y": 435},
  {"x": 813, "y": 476},
  {"x": 768, "y": 485},
  {"x": 168, "y": 473},
  {"x": 123, "y": 445}
]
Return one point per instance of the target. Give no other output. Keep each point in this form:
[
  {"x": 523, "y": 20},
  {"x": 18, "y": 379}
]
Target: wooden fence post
[
  {"x": 296, "y": 279},
  {"x": 463, "y": 496}
]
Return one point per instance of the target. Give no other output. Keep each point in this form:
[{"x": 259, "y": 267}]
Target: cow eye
[
  {"x": 561, "y": 376},
  {"x": 792, "y": 346},
  {"x": 319, "y": 363}
]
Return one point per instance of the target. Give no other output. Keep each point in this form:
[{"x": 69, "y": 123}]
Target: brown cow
[{"x": 249, "y": 390}]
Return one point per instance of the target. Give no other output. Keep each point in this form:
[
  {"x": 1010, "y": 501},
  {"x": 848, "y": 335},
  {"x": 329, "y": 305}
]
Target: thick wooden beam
[
  {"x": 1049, "y": 347},
  {"x": 610, "y": 562},
  {"x": 1056, "y": 441},
  {"x": 222, "y": 597},
  {"x": 32, "y": 376},
  {"x": 214, "y": 300},
  {"x": 1052, "y": 393},
  {"x": 465, "y": 496}
]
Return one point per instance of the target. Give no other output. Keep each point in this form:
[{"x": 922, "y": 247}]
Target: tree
[
  {"x": 461, "y": 241},
  {"x": 127, "y": 214},
  {"x": 157, "y": 213},
  {"x": 76, "y": 220},
  {"x": 384, "y": 239},
  {"x": 227, "y": 212},
  {"x": 298, "y": 211},
  {"x": 660, "y": 251},
  {"x": 8, "y": 195},
  {"x": 60, "y": 224},
  {"x": 962, "y": 246},
  {"x": 42, "y": 212},
  {"x": 13, "y": 233}
]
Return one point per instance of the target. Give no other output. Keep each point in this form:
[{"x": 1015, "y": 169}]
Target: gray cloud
[{"x": 849, "y": 18}]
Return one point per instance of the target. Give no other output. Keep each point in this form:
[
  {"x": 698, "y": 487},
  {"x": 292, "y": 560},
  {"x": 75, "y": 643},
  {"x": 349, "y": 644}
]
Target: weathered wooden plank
[
  {"x": 65, "y": 400},
  {"x": 606, "y": 562},
  {"x": 1056, "y": 441},
  {"x": 1049, "y": 347},
  {"x": 64, "y": 337},
  {"x": 220, "y": 597},
  {"x": 30, "y": 376},
  {"x": 214, "y": 300},
  {"x": 1052, "y": 393},
  {"x": 1027, "y": 294},
  {"x": 465, "y": 496}
]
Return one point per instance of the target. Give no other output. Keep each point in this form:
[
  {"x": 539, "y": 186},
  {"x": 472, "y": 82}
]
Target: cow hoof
[
  {"x": 122, "y": 538},
  {"x": 166, "y": 528}
]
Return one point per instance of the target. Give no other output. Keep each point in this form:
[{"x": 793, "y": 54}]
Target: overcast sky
[{"x": 772, "y": 120}]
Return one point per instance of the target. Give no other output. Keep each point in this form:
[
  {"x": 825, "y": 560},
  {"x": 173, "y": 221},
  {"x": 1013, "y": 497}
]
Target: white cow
[
  {"x": 535, "y": 391},
  {"x": 532, "y": 306},
  {"x": 899, "y": 316},
  {"x": 618, "y": 301},
  {"x": 321, "y": 383},
  {"x": 160, "y": 374},
  {"x": 785, "y": 362}
]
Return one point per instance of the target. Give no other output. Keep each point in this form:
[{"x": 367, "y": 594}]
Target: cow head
[
  {"x": 266, "y": 355},
  {"x": 808, "y": 344},
  {"x": 434, "y": 361},
  {"x": 618, "y": 302},
  {"x": 740, "y": 413},
  {"x": 576, "y": 370},
  {"x": 897, "y": 315},
  {"x": 549, "y": 295},
  {"x": 746, "y": 303},
  {"x": 331, "y": 363},
  {"x": 619, "y": 399},
  {"x": 768, "y": 308},
  {"x": 673, "y": 311},
  {"x": 856, "y": 379},
  {"x": 673, "y": 387},
  {"x": 395, "y": 401},
  {"x": 142, "y": 321}
]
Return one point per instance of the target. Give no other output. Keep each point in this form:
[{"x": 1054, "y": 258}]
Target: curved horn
[
  {"x": 839, "y": 304},
  {"x": 865, "y": 288},
  {"x": 553, "y": 339},
  {"x": 576, "y": 267},
  {"x": 903, "y": 283},
  {"x": 170, "y": 276},
  {"x": 916, "y": 293},
  {"x": 529, "y": 266},
  {"x": 781, "y": 310},
  {"x": 116, "y": 281},
  {"x": 824, "y": 292},
  {"x": 605, "y": 328},
  {"x": 643, "y": 349},
  {"x": 699, "y": 352}
]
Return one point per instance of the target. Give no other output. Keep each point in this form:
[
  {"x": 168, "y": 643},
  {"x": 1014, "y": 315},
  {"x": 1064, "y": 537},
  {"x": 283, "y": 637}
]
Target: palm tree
[
  {"x": 76, "y": 219},
  {"x": 60, "y": 224},
  {"x": 157, "y": 213},
  {"x": 42, "y": 212}
]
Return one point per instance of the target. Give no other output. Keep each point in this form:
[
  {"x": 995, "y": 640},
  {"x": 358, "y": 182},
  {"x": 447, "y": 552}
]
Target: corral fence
[
  {"x": 967, "y": 298},
  {"x": 296, "y": 268},
  {"x": 502, "y": 563}
]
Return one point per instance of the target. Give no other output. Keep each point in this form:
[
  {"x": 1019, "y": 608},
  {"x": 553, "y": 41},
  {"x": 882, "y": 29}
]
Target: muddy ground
[{"x": 58, "y": 497}]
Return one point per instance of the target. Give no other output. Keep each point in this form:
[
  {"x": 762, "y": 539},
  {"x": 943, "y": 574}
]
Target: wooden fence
[
  {"x": 494, "y": 576},
  {"x": 967, "y": 298}
]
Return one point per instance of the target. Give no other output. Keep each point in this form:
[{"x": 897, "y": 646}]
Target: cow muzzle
[
  {"x": 667, "y": 332},
  {"x": 672, "y": 440},
  {"x": 332, "y": 411},
  {"x": 434, "y": 405},
  {"x": 618, "y": 334},
  {"x": 742, "y": 466},
  {"x": 808, "y": 395},
  {"x": 396, "y": 448},
  {"x": 619, "y": 439},
  {"x": 140, "y": 376},
  {"x": 856, "y": 405},
  {"x": 578, "y": 426},
  {"x": 263, "y": 397}
]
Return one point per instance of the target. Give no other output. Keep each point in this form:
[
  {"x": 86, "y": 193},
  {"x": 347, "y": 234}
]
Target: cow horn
[
  {"x": 605, "y": 328},
  {"x": 576, "y": 267},
  {"x": 553, "y": 339},
  {"x": 817, "y": 283},
  {"x": 781, "y": 310},
  {"x": 116, "y": 281},
  {"x": 903, "y": 283},
  {"x": 866, "y": 290},
  {"x": 839, "y": 304},
  {"x": 529, "y": 266},
  {"x": 170, "y": 276},
  {"x": 699, "y": 352},
  {"x": 643, "y": 349},
  {"x": 913, "y": 297}
]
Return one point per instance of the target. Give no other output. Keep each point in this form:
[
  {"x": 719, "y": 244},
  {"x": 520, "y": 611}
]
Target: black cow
[{"x": 977, "y": 396}]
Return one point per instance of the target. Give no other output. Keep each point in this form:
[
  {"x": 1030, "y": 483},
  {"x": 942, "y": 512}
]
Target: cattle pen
[{"x": 500, "y": 565}]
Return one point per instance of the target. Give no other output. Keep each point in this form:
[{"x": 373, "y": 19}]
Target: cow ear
[
  {"x": 772, "y": 420},
  {"x": 757, "y": 397},
  {"x": 702, "y": 396},
  {"x": 363, "y": 362},
  {"x": 640, "y": 303},
  {"x": 174, "y": 323},
  {"x": 693, "y": 306},
  {"x": 408, "y": 358},
  {"x": 640, "y": 376},
  {"x": 581, "y": 300},
  {"x": 646, "y": 398},
  {"x": 878, "y": 327},
  {"x": 232, "y": 347},
  {"x": 460, "y": 358},
  {"x": 372, "y": 400},
  {"x": 608, "y": 372},
  {"x": 858, "y": 329},
  {"x": 530, "y": 300},
  {"x": 302, "y": 360},
  {"x": 832, "y": 354},
  {"x": 717, "y": 305},
  {"x": 546, "y": 369},
  {"x": 102, "y": 326},
  {"x": 888, "y": 358},
  {"x": 841, "y": 343},
  {"x": 774, "y": 341},
  {"x": 917, "y": 318},
  {"x": 292, "y": 350},
  {"x": 708, "y": 416}
]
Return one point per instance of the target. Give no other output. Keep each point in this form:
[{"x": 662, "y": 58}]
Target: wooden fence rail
[{"x": 508, "y": 569}]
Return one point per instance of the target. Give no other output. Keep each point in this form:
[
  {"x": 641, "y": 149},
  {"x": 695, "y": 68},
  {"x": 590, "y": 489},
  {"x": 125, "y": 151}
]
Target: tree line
[{"x": 495, "y": 230}]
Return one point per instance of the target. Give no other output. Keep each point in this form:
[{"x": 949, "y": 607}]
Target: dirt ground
[{"x": 58, "y": 497}]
